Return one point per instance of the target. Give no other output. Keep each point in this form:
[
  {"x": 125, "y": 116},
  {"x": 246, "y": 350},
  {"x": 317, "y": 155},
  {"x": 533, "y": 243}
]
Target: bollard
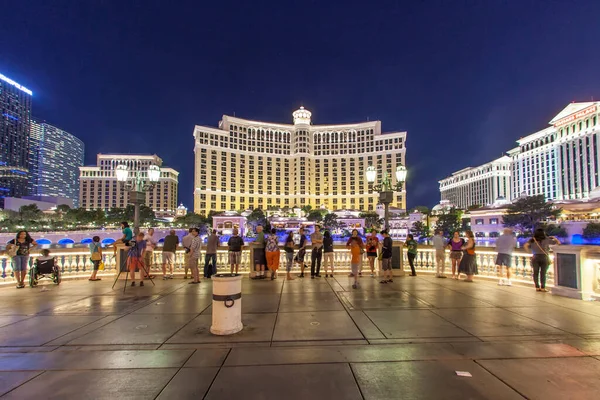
[{"x": 227, "y": 304}]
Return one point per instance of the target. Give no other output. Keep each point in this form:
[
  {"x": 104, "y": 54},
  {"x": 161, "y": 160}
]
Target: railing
[
  {"x": 486, "y": 264},
  {"x": 76, "y": 263}
]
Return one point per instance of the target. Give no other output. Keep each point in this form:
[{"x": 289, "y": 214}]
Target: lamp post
[
  {"x": 137, "y": 187},
  {"x": 385, "y": 188}
]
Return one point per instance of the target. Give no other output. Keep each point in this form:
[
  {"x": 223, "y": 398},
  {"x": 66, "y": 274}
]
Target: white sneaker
[
  {"x": 508, "y": 283},
  {"x": 501, "y": 282}
]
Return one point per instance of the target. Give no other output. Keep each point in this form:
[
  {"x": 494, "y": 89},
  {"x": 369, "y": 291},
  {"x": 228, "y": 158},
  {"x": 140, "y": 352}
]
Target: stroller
[{"x": 44, "y": 269}]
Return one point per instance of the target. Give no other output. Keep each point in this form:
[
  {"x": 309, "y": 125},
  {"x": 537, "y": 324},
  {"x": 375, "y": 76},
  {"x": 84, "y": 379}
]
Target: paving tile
[
  {"x": 257, "y": 328},
  {"x": 365, "y": 325},
  {"x": 12, "y": 379},
  {"x": 35, "y": 304},
  {"x": 426, "y": 340},
  {"x": 174, "y": 304},
  {"x": 72, "y": 360},
  {"x": 32, "y": 349},
  {"x": 104, "y": 347},
  {"x": 189, "y": 383},
  {"x": 285, "y": 355},
  {"x": 363, "y": 300},
  {"x": 429, "y": 380},
  {"x": 304, "y": 285},
  {"x": 445, "y": 298},
  {"x": 136, "y": 329},
  {"x": 41, "y": 329},
  {"x": 318, "y": 325},
  {"x": 256, "y": 303},
  {"x": 83, "y": 330},
  {"x": 494, "y": 322},
  {"x": 102, "y": 305},
  {"x": 413, "y": 324},
  {"x": 309, "y": 381},
  {"x": 552, "y": 378},
  {"x": 207, "y": 358},
  {"x": 304, "y": 343},
  {"x": 310, "y": 301},
  {"x": 11, "y": 319},
  {"x": 589, "y": 347},
  {"x": 562, "y": 318},
  {"x": 112, "y": 384}
]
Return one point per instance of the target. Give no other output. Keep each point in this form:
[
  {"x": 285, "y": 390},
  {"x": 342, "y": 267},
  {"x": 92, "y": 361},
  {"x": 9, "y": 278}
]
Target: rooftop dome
[{"x": 301, "y": 116}]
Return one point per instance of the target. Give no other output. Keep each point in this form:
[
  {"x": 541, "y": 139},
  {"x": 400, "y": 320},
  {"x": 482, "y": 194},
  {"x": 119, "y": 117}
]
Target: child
[
  {"x": 95, "y": 256},
  {"x": 355, "y": 251},
  {"x": 136, "y": 258}
]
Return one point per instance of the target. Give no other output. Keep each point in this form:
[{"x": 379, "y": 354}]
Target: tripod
[{"x": 127, "y": 265}]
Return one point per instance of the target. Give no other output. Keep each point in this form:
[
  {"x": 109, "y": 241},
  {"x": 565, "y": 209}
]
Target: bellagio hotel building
[{"x": 245, "y": 164}]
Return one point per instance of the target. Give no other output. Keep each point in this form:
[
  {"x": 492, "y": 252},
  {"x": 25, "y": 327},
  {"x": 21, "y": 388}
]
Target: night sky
[{"x": 464, "y": 78}]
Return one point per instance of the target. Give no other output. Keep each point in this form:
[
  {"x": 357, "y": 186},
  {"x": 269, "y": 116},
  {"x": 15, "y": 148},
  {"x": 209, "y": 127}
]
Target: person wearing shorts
[
  {"x": 168, "y": 254},
  {"x": 386, "y": 257},
  {"x": 186, "y": 242},
  {"x": 372, "y": 245},
  {"x": 235, "y": 244},
  {"x": 505, "y": 244},
  {"x": 260, "y": 258},
  {"x": 289, "y": 255},
  {"x": 136, "y": 257},
  {"x": 456, "y": 252}
]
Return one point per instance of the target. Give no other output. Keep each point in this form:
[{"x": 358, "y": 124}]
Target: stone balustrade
[{"x": 75, "y": 263}]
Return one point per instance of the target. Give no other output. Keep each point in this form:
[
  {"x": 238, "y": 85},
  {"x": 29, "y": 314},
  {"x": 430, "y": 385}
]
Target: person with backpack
[{"x": 95, "y": 256}]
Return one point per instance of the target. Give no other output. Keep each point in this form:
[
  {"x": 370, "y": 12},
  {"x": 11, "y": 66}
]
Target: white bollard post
[{"x": 227, "y": 304}]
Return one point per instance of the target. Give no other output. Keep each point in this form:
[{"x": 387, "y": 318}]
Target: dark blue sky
[{"x": 464, "y": 78}]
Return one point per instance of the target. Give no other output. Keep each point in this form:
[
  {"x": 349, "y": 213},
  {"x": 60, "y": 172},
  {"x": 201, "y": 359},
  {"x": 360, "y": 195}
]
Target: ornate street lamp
[
  {"x": 385, "y": 188},
  {"x": 137, "y": 187}
]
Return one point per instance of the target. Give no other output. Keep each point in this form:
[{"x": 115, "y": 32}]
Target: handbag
[
  {"x": 12, "y": 252},
  {"x": 471, "y": 252},
  {"x": 543, "y": 251},
  {"x": 101, "y": 266},
  {"x": 96, "y": 256}
]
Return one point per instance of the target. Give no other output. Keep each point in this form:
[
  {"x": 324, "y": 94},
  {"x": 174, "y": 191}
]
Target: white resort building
[{"x": 245, "y": 164}]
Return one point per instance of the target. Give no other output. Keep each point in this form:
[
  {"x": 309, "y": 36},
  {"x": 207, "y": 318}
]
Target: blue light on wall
[
  {"x": 108, "y": 241},
  {"x": 66, "y": 241},
  {"x": 43, "y": 241},
  {"x": 10, "y": 116},
  {"x": 86, "y": 241}
]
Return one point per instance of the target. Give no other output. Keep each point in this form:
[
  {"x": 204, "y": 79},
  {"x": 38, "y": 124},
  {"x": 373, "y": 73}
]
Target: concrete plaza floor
[{"x": 305, "y": 339}]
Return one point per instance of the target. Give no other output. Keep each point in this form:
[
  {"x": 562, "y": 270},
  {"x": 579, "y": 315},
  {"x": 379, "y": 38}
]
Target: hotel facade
[
  {"x": 246, "y": 164},
  {"x": 99, "y": 188},
  {"x": 560, "y": 162}
]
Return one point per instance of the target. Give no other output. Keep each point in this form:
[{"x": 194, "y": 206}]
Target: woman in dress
[
  {"x": 272, "y": 252},
  {"x": 455, "y": 245},
  {"x": 468, "y": 263},
  {"x": 411, "y": 245},
  {"x": 19, "y": 248},
  {"x": 540, "y": 247}
]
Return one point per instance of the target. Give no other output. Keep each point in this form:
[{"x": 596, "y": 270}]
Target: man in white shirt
[
  {"x": 505, "y": 244},
  {"x": 195, "y": 248},
  {"x": 151, "y": 243},
  {"x": 439, "y": 244},
  {"x": 186, "y": 242}
]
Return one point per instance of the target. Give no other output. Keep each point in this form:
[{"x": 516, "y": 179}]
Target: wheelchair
[{"x": 44, "y": 269}]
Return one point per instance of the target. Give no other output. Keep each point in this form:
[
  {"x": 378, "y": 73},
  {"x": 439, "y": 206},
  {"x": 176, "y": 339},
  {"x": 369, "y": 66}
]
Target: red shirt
[{"x": 372, "y": 243}]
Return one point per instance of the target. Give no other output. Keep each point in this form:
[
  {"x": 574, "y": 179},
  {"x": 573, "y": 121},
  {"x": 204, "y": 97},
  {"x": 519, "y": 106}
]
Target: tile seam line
[
  {"x": 27, "y": 381},
  {"x": 350, "y": 316},
  {"x": 276, "y": 313},
  {"x": 175, "y": 374},
  {"x": 500, "y": 379},
  {"x": 216, "y": 375}
]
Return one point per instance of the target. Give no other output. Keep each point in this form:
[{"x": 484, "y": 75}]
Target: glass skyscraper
[
  {"x": 15, "y": 110},
  {"x": 55, "y": 157}
]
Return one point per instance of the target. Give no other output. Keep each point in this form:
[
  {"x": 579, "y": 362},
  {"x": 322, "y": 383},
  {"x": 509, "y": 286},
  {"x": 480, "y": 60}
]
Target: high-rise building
[
  {"x": 246, "y": 164},
  {"x": 99, "y": 188},
  {"x": 54, "y": 160},
  {"x": 478, "y": 185},
  {"x": 560, "y": 162},
  {"x": 15, "y": 106}
]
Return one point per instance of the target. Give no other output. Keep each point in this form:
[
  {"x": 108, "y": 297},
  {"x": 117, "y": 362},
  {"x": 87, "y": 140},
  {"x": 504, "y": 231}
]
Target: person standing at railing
[
  {"x": 260, "y": 258},
  {"x": 210, "y": 258},
  {"x": 316, "y": 255},
  {"x": 539, "y": 245},
  {"x": 358, "y": 240},
  {"x": 136, "y": 258},
  {"x": 301, "y": 252},
  {"x": 411, "y": 245},
  {"x": 386, "y": 257},
  {"x": 186, "y": 242},
  {"x": 289, "y": 255},
  {"x": 505, "y": 245},
  {"x": 195, "y": 248},
  {"x": 168, "y": 254},
  {"x": 439, "y": 244},
  {"x": 468, "y": 262},
  {"x": 151, "y": 243},
  {"x": 19, "y": 249},
  {"x": 95, "y": 256},
  {"x": 273, "y": 253},
  {"x": 328, "y": 255},
  {"x": 455, "y": 245},
  {"x": 235, "y": 244},
  {"x": 372, "y": 245}
]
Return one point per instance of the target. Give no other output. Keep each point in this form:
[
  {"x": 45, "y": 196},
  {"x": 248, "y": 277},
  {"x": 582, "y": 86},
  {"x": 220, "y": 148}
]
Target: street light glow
[
  {"x": 371, "y": 174},
  {"x": 400, "y": 173},
  {"x": 153, "y": 173},
  {"x": 122, "y": 173}
]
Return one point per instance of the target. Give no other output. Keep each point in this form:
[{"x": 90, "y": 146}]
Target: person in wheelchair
[{"x": 44, "y": 267}]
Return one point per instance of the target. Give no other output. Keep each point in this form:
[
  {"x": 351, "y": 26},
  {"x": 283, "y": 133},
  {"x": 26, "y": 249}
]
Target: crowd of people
[{"x": 266, "y": 254}]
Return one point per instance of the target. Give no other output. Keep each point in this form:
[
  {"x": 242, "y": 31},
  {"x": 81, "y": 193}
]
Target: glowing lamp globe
[
  {"x": 371, "y": 174},
  {"x": 122, "y": 173},
  {"x": 154, "y": 173},
  {"x": 401, "y": 173}
]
